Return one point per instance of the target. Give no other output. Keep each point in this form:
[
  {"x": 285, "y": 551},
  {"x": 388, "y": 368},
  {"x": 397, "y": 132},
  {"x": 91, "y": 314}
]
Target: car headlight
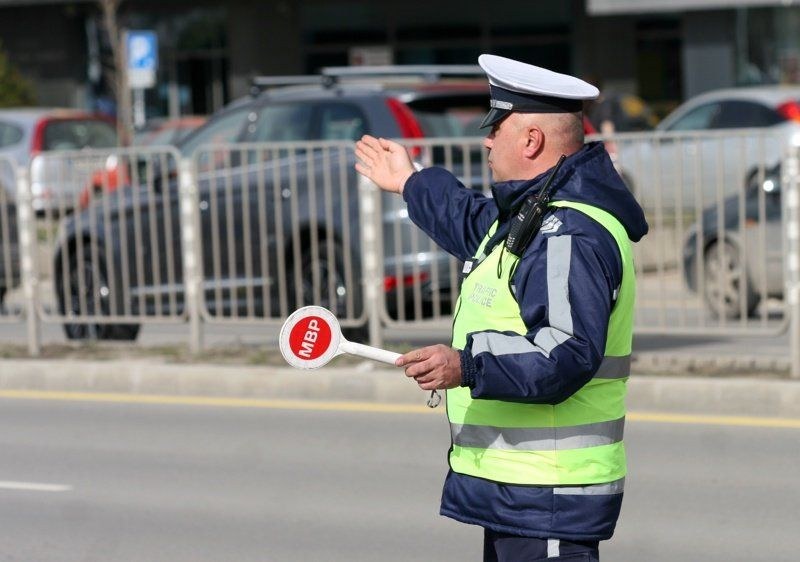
[{"x": 112, "y": 162}]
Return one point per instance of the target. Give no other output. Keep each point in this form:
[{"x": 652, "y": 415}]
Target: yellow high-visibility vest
[{"x": 576, "y": 442}]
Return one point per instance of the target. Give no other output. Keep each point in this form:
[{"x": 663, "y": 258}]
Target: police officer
[{"x": 540, "y": 354}]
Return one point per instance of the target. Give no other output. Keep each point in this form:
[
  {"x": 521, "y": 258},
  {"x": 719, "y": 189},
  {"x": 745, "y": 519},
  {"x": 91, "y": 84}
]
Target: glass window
[
  {"x": 768, "y": 45},
  {"x": 9, "y": 135},
  {"x": 451, "y": 115},
  {"x": 697, "y": 119},
  {"x": 164, "y": 137},
  {"x": 74, "y": 134},
  {"x": 740, "y": 114},
  {"x": 223, "y": 130},
  {"x": 283, "y": 122},
  {"x": 341, "y": 121}
]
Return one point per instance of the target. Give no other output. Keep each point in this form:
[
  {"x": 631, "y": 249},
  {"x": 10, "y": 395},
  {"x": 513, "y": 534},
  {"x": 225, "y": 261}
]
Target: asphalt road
[
  {"x": 217, "y": 336},
  {"x": 124, "y": 481}
]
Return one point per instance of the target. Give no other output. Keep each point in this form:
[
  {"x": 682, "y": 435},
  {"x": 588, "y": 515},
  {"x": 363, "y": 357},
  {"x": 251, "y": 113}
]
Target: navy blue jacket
[{"x": 458, "y": 219}]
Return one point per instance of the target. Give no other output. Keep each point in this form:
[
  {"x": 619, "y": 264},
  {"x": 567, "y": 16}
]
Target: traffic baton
[{"x": 311, "y": 337}]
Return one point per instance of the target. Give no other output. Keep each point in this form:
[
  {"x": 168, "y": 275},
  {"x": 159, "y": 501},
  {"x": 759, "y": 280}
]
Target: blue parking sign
[
  {"x": 142, "y": 53},
  {"x": 142, "y": 50}
]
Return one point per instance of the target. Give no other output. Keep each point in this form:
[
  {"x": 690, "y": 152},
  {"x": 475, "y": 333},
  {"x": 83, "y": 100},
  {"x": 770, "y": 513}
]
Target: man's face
[{"x": 506, "y": 142}]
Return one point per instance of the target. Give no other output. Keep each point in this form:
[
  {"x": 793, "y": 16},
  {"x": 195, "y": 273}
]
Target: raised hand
[{"x": 384, "y": 162}]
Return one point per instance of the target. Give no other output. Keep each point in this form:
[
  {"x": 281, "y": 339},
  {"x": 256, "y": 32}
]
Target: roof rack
[
  {"x": 331, "y": 75},
  {"x": 427, "y": 71},
  {"x": 260, "y": 83}
]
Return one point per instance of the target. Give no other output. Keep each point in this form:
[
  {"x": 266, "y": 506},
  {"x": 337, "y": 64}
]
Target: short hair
[{"x": 564, "y": 130}]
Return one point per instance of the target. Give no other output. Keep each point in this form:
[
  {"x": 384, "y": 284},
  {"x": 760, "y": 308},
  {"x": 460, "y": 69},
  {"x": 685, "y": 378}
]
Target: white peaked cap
[
  {"x": 529, "y": 79},
  {"x": 519, "y": 87}
]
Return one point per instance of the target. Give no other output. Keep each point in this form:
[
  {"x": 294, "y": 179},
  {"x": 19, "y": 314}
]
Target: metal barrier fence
[
  {"x": 9, "y": 241},
  {"x": 111, "y": 253},
  {"x": 246, "y": 233},
  {"x": 278, "y": 228},
  {"x": 421, "y": 281},
  {"x": 713, "y": 261}
]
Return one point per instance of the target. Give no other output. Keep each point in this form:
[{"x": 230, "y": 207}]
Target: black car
[
  {"x": 9, "y": 247},
  {"x": 279, "y": 226},
  {"x": 737, "y": 261}
]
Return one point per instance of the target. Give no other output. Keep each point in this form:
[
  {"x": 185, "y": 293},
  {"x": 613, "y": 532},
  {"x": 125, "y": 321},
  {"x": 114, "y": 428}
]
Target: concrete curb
[
  {"x": 360, "y": 382},
  {"x": 726, "y": 364},
  {"x": 370, "y": 382}
]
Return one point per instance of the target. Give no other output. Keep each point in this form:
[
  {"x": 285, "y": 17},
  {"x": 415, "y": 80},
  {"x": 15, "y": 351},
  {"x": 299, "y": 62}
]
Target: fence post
[
  {"x": 369, "y": 211},
  {"x": 190, "y": 247},
  {"x": 26, "y": 225},
  {"x": 791, "y": 198}
]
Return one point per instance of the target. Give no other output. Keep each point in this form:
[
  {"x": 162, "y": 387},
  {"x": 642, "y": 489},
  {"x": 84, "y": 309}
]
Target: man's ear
[{"x": 534, "y": 142}]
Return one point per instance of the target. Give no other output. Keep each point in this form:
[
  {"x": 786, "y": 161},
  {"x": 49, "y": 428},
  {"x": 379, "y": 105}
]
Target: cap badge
[{"x": 501, "y": 104}]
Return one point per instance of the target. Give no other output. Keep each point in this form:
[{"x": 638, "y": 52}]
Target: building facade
[{"x": 661, "y": 50}]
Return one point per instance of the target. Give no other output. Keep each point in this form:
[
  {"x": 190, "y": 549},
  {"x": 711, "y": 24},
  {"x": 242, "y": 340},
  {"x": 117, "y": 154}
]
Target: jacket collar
[{"x": 510, "y": 194}]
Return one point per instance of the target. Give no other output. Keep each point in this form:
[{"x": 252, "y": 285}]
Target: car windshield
[
  {"x": 73, "y": 134},
  {"x": 226, "y": 128},
  {"x": 163, "y": 137},
  {"x": 450, "y": 116},
  {"x": 9, "y": 135}
]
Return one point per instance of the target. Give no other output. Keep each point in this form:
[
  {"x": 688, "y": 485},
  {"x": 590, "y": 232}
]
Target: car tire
[
  {"x": 339, "y": 305},
  {"x": 71, "y": 302},
  {"x": 724, "y": 275}
]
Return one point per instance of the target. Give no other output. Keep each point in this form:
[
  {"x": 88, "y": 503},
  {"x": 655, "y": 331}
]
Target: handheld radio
[{"x": 529, "y": 218}]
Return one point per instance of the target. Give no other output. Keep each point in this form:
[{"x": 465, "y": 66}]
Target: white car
[
  {"x": 32, "y": 137},
  {"x": 710, "y": 147}
]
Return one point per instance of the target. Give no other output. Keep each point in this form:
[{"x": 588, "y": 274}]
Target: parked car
[
  {"x": 738, "y": 262},
  {"x": 9, "y": 248},
  {"x": 338, "y": 111},
  {"x": 117, "y": 172},
  {"x": 683, "y": 153},
  {"x": 167, "y": 132},
  {"x": 36, "y": 132}
]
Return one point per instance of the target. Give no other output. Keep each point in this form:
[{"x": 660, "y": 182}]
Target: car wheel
[
  {"x": 726, "y": 282},
  {"x": 71, "y": 303},
  {"x": 329, "y": 272}
]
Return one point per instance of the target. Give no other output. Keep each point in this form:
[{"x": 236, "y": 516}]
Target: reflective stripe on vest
[{"x": 576, "y": 442}]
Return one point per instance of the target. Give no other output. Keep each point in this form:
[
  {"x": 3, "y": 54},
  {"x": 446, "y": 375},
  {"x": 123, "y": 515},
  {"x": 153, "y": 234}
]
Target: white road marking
[{"x": 34, "y": 487}]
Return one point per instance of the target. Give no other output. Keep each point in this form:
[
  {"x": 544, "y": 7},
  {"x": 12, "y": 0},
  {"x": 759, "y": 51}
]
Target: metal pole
[
  {"x": 791, "y": 202},
  {"x": 26, "y": 220},
  {"x": 190, "y": 246},
  {"x": 368, "y": 196},
  {"x": 139, "y": 111}
]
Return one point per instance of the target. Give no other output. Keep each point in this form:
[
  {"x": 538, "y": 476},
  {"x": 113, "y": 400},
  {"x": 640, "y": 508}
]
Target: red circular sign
[{"x": 310, "y": 338}]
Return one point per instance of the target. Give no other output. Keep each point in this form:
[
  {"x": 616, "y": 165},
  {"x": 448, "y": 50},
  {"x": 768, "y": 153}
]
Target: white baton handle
[{"x": 369, "y": 352}]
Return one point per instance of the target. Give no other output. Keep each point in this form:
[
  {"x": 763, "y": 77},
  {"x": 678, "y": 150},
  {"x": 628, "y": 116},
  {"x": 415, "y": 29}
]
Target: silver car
[
  {"x": 710, "y": 147},
  {"x": 29, "y": 137}
]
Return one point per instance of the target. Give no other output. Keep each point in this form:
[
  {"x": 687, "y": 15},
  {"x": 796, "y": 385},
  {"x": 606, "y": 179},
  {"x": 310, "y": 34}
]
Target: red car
[{"x": 158, "y": 133}]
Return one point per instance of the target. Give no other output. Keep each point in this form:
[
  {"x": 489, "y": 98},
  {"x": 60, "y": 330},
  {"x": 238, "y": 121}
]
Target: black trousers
[{"x": 502, "y": 547}]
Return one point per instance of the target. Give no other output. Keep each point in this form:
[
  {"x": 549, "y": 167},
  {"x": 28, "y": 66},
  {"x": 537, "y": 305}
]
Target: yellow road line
[
  {"x": 701, "y": 419},
  {"x": 278, "y": 404},
  {"x": 376, "y": 407}
]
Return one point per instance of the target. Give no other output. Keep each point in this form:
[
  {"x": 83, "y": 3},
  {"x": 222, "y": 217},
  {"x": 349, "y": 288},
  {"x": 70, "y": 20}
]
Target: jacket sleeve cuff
[
  {"x": 468, "y": 370},
  {"x": 410, "y": 182}
]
